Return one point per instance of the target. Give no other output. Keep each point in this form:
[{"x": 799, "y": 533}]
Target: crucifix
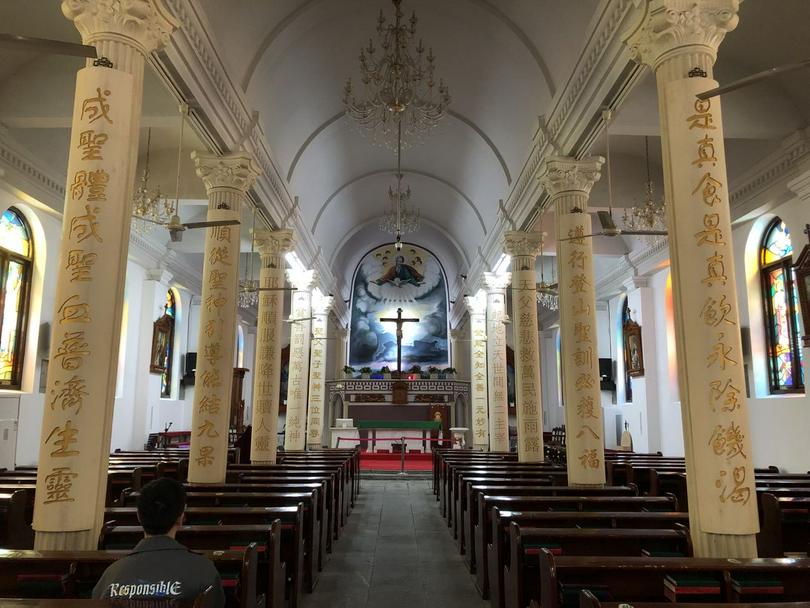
[{"x": 399, "y": 321}]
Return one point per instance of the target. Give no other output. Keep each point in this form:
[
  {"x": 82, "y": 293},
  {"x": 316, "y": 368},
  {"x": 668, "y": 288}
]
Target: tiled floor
[{"x": 395, "y": 552}]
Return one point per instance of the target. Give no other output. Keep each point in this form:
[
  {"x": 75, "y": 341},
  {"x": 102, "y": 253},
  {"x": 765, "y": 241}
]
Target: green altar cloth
[{"x": 429, "y": 425}]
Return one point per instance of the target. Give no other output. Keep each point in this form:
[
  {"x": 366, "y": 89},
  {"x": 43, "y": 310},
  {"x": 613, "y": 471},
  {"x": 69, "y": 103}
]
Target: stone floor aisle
[{"x": 395, "y": 552}]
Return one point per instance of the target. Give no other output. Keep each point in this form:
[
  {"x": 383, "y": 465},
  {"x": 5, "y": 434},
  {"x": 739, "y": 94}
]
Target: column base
[
  {"x": 81, "y": 540},
  {"x": 262, "y": 462},
  {"x": 705, "y": 544}
]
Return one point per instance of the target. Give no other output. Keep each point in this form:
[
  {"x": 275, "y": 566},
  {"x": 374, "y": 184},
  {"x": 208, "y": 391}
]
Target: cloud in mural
[{"x": 386, "y": 280}]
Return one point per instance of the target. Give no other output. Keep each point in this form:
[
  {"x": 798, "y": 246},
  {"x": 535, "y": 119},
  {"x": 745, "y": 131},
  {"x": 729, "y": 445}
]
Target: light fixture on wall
[
  {"x": 651, "y": 214},
  {"x": 149, "y": 208},
  {"x": 400, "y": 89},
  {"x": 400, "y": 218}
]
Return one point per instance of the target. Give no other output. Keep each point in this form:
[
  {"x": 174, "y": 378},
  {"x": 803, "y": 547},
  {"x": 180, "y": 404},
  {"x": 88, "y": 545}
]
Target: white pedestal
[{"x": 349, "y": 435}]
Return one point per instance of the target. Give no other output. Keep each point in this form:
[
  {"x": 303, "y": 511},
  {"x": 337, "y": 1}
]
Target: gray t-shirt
[{"x": 160, "y": 567}]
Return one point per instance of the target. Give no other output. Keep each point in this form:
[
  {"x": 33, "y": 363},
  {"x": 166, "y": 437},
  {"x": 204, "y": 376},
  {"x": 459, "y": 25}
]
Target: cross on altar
[{"x": 399, "y": 321}]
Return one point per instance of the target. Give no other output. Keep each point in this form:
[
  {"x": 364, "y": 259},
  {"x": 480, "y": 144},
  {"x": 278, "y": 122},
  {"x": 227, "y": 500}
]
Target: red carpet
[{"x": 391, "y": 462}]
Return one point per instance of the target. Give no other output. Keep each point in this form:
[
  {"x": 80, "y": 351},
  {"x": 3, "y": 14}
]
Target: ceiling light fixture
[
  {"x": 400, "y": 218},
  {"x": 651, "y": 214},
  {"x": 149, "y": 208},
  {"x": 400, "y": 96}
]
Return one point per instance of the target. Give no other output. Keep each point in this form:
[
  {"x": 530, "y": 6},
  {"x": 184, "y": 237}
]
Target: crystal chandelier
[
  {"x": 149, "y": 208},
  {"x": 651, "y": 214},
  {"x": 399, "y": 84},
  {"x": 400, "y": 219},
  {"x": 547, "y": 295},
  {"x": 248, "y": 293}
]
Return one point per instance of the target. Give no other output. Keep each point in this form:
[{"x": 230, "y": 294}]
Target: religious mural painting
[{"x": 411, "y": 279}]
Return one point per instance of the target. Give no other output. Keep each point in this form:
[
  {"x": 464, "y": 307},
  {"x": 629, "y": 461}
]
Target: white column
[
  {"x": 103, "y": 154},
  {"x": 227, "y": 179},
  {"x": 680, "y": 41},
  {"x": 300, "y": 339},
  {"x": 523, "y": 247},
  {"x": 455, "y": 336},
  {"x": 341, "y": 340},
  {"x": 477, "y": 307},
  {"x": 321, "y": 305},
  {"x": 496, "y": 360},
  {"x": 267, "y": 378},
  {"x": 568, "y": 182}
]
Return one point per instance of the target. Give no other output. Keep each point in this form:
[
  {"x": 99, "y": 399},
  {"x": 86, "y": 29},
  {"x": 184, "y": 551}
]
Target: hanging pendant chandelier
[
  {"x": 248, "y": 296},
  {"x": 400, "y": 218},
  {"x": 651, "y": 214},
  {"x": 149, "y": 208},
  {"x": 399, "y": 85}
]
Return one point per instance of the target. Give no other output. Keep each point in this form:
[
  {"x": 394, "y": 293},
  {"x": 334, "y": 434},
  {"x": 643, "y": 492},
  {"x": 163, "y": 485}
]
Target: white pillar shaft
[
  {"x": 297, "y": 380},
  {"x": 103, "y": 154},
  {"x": 267, "y": 377},
  {"x": 317, "y": 371},
  {"x": 496, "y": 361},
  {"x": 477, "y": 306},
  {"x": 681, "y": 43}
]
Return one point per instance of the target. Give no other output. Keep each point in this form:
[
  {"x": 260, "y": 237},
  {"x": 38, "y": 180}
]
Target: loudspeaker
[{"x": 44, "y": 345}]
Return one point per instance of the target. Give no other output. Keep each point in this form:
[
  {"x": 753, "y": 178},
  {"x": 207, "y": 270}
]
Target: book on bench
[{"x": 702, "y": 586}]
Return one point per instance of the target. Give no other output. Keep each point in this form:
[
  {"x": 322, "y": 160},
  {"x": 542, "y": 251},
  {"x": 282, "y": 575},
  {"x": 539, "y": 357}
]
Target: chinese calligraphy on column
[
  {"x": 477, "y": 307},
  {"x": 300, "y": 340},
  {"x": 710, "y": 354},
  {"x": 317, "y": 368},
  {"x": 496, "y": 360},
  {"x": 84, "y": 346},
  {"x": 524, "y": 247},
  {"x": 267, "y": 378}
]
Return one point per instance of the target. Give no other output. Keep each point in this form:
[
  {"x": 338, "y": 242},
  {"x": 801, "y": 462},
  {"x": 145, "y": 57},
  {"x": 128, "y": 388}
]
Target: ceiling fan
[
  {"x": 176, "y": 227},
  {"x": 609, "y": 227},
  {"x": 754, "y": 78}
]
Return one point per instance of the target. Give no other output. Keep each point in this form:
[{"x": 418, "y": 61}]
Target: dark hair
[{"x": 160, "y": 504}]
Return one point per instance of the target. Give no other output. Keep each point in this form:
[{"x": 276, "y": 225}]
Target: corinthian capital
[
  {"x": 668, "y": 27},
  {"x": 232, "y": 171},
  {"x": 301, "y": 279},
  {"x": 565, "y": 174},
  {"x": 518, "y": 243},
  {"x": 477, "y": 304},
  {"x": 497, "y": 281},
  {"x": 146, "y": 24},
  {"x": 321, "y": 303},
  {"x": 274, "y": 242}
]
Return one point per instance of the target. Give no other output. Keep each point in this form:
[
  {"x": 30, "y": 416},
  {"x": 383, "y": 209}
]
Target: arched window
[
  {"x": 781, "y": 306},
  {"x": 16, "y": 256},
  {"x": 169, "y": 311}
]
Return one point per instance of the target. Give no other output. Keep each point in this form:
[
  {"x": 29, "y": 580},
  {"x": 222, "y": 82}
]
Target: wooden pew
[
  {"x": 498, "y": 551},
  {"x": 486, "y": 504},
  {"x": 647, "y": 579},
  {"x": 73, "y": 574},
  {"x": 521, "y": 576},
  {"x": 784, "y": 525},
  {"x": 589, "y": 600}
]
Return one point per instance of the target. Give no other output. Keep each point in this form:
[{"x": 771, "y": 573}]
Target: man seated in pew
[{"x": 159, "y": 566}]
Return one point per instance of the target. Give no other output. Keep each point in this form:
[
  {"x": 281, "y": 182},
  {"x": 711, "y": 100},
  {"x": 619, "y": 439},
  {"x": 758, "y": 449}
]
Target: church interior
[{"x": 507, "y": 297}]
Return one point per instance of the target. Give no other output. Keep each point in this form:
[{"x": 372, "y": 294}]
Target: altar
[{"x": 385, "y": 410}]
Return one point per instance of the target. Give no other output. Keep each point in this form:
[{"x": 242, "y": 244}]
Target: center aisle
[{"x": 395, "y": 552}]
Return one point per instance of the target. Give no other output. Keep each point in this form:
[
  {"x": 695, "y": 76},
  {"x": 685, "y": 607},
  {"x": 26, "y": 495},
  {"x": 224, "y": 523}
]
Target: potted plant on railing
[
  {"x": 386, "y": 372},
  {"x": 348, "y": 372},
  {"x": 365, "y": 373},
  {"x": 416, "y": 370},
  {"x": 434, "y": 372},
  {"x": 449, "y": 373}
]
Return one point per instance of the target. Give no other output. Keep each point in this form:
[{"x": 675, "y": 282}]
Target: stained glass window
[
  {"x": 16, "y": 253},
  {"x": 168, "y": 353},
  {"x": 781, "y": 304}
]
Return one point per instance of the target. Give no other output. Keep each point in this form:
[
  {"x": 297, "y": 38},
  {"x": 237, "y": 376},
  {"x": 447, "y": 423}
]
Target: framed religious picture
[
  {"x": 633, "y": 354},
  {"x": 162, "y": 330},
  {"x": 802, "y": 270}
]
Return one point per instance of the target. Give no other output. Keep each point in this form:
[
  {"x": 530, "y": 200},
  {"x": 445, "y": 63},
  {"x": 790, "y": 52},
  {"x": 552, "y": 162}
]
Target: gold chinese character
[
  {"x": 96, "y": 107},
  {"x": 715, "y": 270},
  {"x": 711, "y": 233},
  {"x": 71, "y": 350},
  {"x": 212, "y": 352},
  {"x": 589, "y": 459},
  {"x": 705, "y": 152},
  {"x": 97, "y": 185},
  {"x": 207, "y": 429},
  {"x": 576, "y": 259},
  {"x": 58, "y": 484},
  {"x": 221, "y": 233},
  {"x": 583, "y": 357},
  {"x": 738, "y": 494},
  {"x": 702, "y": 119},
  {"x": 210, "y": 379},
  {"x": 584, "y": 428},
  {"x": 78, "y": 185},
  {"x": 210, "y": 404},
  {"x": 582, "y": 332},
  {"x": 216, "y": 279},
  {"x": 709, "y": 187},
  {"x": 714, "y": 313},
  {"x": 585, "y": 407},
  {"x": 65, "y": 437},
  {"x": 74, "y": 311},
  {"x": 728, "y": 440},
  {"x": 262, "y": 442},
  {"x": 85, "y": 226},
  {"x": 211, "y": 327},
  {"x": 213, "y": 303},
  {"x": 219, "y": 255},
  {"x": 720, "y": 353},
  {"x": 90, "y": 143},
  {"x": 578, "y": 283},
  {"x": 69, "y": 394},
  {"x": 79, "y": 264},
  {"x": 581, "y": 308},
  {"x": 205, "y": 456},
  {"x": 576, "y": 234},
  {"x": 727, "y": 392}
]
